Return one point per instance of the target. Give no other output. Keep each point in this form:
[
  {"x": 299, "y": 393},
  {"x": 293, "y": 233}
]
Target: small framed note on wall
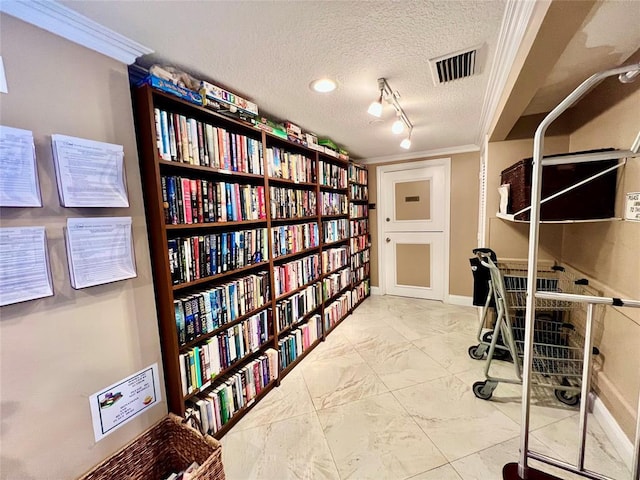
[{"x": 632, "y": 207}]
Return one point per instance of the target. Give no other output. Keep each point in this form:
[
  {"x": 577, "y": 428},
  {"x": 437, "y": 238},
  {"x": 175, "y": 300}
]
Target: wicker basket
[
  {"x": 595, "y": 199},
  {"x": 167, "y": 447}
]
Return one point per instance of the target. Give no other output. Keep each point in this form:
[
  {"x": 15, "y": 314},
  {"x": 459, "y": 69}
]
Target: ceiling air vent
[{"x": 455, "y": 66}]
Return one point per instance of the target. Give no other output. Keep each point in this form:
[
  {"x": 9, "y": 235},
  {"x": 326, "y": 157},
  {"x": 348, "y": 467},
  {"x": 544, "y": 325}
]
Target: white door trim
[{"x": 446, "y": 162}]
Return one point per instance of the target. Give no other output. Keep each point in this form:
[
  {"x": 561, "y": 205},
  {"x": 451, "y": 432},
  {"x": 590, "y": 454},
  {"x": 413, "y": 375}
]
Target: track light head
[
  {"x": 375, "y": 108},
  {"x": 397, "y": 127}
]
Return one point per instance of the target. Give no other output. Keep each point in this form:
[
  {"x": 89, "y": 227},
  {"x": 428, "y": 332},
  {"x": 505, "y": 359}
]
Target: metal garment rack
[{"x": 626, "y": 74}]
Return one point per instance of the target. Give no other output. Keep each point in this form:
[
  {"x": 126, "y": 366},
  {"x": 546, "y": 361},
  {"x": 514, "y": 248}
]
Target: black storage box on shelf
[{"x": 593, "y": 200}]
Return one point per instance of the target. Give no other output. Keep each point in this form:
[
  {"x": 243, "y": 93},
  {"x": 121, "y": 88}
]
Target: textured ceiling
[
  {"x": 609, "y": 36},
  {"x": 271, "y": 51}
]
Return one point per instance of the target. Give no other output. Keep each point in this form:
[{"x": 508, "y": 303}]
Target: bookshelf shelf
[
  {"x": 292, "y": 183},
  {"x": 337, "y": 242},
  {"x": 338, "y": 322},
  {"x": 200, "y": 281},
  {"x": 230, "y": 368},
  {"x": 243, "y": 411},
  {"x": 185, "y": 347},
  {"x": 359, "y": 200},
  {"x": 301, "y": 320},
  {"x": 228, "y": 175},
  {"x": 336, "y": 295},
  {"x": 206, "y": 225},
  {"x": 333, "y": 189},
  {"x": 218, "y": 146},
  {"x": 299, "y": 289},
  {"x": 288, "y": 256},
  {"x": 335, "y": 271},
  {"x": 280, "y": 221},
  {"x": 285, "y": 371}
]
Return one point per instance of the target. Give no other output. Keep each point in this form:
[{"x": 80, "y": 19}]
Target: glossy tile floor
[{"x": 388, "y": 396}]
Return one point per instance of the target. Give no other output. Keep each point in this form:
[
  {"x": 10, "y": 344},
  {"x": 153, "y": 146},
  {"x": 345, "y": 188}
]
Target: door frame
[{"x": 446, "y": 162}]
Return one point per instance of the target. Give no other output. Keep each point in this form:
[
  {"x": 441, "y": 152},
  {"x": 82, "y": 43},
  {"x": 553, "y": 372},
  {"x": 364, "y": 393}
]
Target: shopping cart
[{"x": 557, "y": 352}]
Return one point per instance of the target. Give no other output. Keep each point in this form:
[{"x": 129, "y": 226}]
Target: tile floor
[{"x": 388, "y": 396}]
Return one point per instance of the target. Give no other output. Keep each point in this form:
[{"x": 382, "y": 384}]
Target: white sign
[
  {"x": 24, "y": 265},
  {"x": 99, "y": 250},
  {"x": 19, "y": 185},
  {"x": 89, "y": 173},
  {"x": 632, "y": 208},
  {"x": 123, "y": 401}
]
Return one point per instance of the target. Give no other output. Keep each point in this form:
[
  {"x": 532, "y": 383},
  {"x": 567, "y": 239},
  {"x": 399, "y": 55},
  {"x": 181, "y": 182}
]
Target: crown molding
[
  {"x": 516, "y": 20},
  {"x": 67, "y": 23},
  {"x": 423, "y": 154}
]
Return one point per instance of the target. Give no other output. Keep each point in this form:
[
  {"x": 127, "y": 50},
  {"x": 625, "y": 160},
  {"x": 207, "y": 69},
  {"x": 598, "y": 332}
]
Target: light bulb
[
  {"x": 375, "y": 109},
  {"x": 323, "y": 85},
  {"x": 406, "y": 143},
  {"x": 397, "y": 127}
]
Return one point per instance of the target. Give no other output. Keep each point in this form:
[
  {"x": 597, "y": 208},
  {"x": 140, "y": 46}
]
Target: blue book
[
  {"x": 171, "y": 197},
  {"x": 215, "y": 309},
  {"x": 179, "y": 311},
  {"x": 223, "y": 253},
  {"x": 230, "y": 200},
  {"x": 233, "y": 301},
  {"x": 189, "y": 320}
]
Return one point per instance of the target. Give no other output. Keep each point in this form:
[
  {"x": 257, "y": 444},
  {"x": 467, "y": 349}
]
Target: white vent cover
[{"x": 456, "y": 65}]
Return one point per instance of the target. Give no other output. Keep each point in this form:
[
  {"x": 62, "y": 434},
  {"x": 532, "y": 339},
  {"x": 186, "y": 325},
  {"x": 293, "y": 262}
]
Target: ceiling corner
[{"x": 64, "y": 22}]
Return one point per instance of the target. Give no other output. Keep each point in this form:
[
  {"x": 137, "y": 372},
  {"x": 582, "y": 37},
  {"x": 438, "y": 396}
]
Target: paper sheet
[
  {"x": 24, "y": 265},
  {"x": 89, "y": 173},
  {"x": 18, "y": 172},
  {"x": 99, "y": 250}
]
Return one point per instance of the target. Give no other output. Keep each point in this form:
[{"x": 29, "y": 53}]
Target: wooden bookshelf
[
  {"x": 156, "y": 170},
  {"x": 360, "y": 264}
]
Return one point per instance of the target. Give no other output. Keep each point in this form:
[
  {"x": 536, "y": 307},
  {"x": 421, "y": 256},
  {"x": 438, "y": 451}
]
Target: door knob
[
  {"x": 388, "y": 239},
  {"x": 388, "y": 219}
]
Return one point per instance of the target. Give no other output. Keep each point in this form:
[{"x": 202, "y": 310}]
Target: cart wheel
[
  {"x": 474, "y": 353},
  {"x": 480, "y": 391},
  {"x": 568, "y": 398},
  {"x": 486, "y": 338}
]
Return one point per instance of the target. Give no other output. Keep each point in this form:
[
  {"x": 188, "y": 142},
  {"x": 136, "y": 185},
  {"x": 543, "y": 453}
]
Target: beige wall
[
  {"x": 57, "y": 351},
  {"x": 463, "y": 221},
  {"x": 608, "y": 252}
]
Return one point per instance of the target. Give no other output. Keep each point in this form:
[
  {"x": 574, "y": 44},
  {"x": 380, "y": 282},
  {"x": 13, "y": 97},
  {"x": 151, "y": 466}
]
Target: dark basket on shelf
[
  {"x": 167, "y": 447},
  {"x": 595, "y": 199}
]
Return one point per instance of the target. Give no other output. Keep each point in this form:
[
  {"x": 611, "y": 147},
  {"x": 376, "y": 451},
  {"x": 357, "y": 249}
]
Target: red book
[
  {"x": 200, "y": 201},
  {"x": 262, "y": 213},
  {"x": 196, "y": 256},
  {"x": 257, "y": 378}
]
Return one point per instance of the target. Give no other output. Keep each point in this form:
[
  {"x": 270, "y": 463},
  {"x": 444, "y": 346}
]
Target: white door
[{"x": 413, "y": 221}]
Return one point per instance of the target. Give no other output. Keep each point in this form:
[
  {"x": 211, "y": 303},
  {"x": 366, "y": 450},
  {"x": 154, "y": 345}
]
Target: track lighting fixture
[
  {"x": 402, "y": 123},
  {"x": 406, "y": 142},
  {"x": 375, "y": 108}
]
